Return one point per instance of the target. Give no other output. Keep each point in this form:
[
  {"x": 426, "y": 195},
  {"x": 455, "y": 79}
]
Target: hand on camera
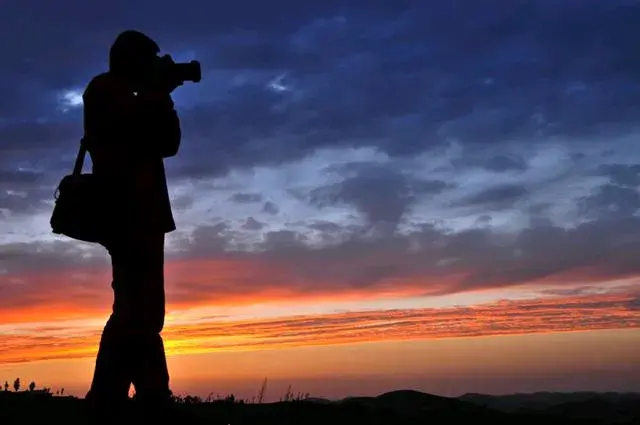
[{"x": 161, "y": 79}]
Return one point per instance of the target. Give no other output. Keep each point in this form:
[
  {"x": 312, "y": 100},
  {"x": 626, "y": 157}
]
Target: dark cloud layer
[
  {"x": 411, "y": 72},
  {"x": 285, "y": 79},
  {"x": 381, "y": 194},
  {"x": 428, "y": 260},
  {"x": 498, "y": 197}
]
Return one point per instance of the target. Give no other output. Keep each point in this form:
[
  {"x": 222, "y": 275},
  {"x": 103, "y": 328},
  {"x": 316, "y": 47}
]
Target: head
[{"x": 132, "y": 56}]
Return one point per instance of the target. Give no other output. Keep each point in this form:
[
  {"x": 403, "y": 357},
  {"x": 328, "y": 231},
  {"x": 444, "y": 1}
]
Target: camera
[{"x": 178, "y": 72}]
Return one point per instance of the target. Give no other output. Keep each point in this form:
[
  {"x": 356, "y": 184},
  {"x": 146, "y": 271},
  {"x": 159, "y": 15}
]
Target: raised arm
[
  {"x": 157, "y": 117},
  {"x": 122, "y": 127}
]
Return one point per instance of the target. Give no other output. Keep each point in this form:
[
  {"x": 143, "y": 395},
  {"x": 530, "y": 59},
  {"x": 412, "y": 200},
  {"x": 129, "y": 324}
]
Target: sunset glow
[{"x": 441, "y": 196}]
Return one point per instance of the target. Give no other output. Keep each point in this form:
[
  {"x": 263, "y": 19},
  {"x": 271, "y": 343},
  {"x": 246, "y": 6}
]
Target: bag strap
[
  {"x": 82, "y": 151},
  {"x": 77, "y": 168}
]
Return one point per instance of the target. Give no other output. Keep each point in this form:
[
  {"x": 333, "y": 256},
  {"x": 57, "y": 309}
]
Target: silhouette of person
[{"x": 130, "y": 127}]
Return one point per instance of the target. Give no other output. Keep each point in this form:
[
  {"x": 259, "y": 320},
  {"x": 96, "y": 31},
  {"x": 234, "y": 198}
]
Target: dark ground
[{"x": 395, "y": 408}]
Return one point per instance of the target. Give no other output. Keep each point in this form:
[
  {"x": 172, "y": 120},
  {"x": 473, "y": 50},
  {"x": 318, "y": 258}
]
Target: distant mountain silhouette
[
  {"x": 544, "y": 400},
  {"x": 412, "y": 402},
  {"x": 604, "y": 408},
  {"x": 404, "y": 407}
]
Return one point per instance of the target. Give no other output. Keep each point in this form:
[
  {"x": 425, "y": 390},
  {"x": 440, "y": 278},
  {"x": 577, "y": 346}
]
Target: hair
[{"x": 128, "y": 47}]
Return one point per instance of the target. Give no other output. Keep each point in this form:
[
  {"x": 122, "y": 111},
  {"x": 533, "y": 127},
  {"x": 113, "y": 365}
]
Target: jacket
[{"x": 127, "y": 136}]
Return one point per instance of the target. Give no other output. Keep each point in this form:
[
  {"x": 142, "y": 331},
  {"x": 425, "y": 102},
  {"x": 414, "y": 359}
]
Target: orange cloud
[
  {"x": 31, "y": 342},
  {"x": 232, "y": 280},
  {"x": 71, "y": 294}
]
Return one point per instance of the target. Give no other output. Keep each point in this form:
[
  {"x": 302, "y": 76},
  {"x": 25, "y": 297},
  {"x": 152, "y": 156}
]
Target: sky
[{"x": 440, "y": 196}]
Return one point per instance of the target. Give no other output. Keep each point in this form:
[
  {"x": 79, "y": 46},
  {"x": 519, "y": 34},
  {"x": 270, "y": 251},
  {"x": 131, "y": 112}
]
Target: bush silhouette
[{"x": 16, "y": 385}]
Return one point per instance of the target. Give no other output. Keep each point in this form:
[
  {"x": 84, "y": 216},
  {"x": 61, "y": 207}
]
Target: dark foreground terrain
[{"x": 394, "y": 408}]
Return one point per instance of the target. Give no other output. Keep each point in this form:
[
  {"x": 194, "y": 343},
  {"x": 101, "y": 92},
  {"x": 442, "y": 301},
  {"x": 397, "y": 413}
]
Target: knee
[
  {"x": 154, "y": 324},
  {"x": 148, "y": 322}
]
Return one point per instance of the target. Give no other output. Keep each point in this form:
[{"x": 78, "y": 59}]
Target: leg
[
  {"x": 112, "y": 375},
  {"x": 150, "y": 375},
  {"x": 131, "y": 349}
]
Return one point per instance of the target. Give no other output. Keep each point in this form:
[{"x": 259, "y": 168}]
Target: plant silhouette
[{"x": 403, "y": 407}]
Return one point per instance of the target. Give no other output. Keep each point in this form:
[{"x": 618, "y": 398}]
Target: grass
[{"x": 42, "y": 406}]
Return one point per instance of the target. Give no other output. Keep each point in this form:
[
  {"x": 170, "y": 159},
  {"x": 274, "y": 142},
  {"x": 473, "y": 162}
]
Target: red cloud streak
[
  {"x": 81, "y": 293},
  {"x": 552, "y": 314}
]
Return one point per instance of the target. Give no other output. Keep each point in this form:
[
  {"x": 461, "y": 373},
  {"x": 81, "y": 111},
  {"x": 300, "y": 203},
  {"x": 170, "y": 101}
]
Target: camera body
[{"x": 178, "y": 72}]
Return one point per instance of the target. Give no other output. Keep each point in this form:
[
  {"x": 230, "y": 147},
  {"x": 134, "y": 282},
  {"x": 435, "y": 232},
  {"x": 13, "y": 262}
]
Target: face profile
[{"x": 136, "y": 57}]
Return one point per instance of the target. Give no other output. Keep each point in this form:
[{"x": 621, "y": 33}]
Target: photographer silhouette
[{"x": 130, "y": 127}]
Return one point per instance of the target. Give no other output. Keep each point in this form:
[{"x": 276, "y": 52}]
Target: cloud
[
  {"x": 270, "y": 208},
  {"x": 246, "y": 198},
  {"x": 611, "y": 202},
  {"x": 399, "y": 78},
  {"x": 218, "y": 265},
  {"x": 253, "y": 224},
  {"x": 500, "y": 163},
  {"x": 34, "y": 342},
  {"x": 625, "y": 175},
  {"x": 421, "y": 149},
  {"x": 380, "y": 193},
  {"x": 497, "y": 197},
  {"x": 431, "y": 260}
]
